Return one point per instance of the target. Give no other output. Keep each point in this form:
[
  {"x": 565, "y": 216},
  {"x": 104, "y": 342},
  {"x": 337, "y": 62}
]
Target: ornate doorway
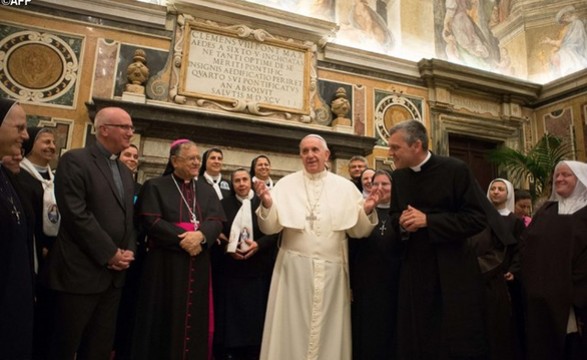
[{"x": 473, "y": 151}]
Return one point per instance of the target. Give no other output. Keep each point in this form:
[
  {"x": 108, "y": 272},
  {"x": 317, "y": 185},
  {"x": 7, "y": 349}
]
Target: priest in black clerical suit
[
  {"x": 95, "y": 243},
  {"x": 435, "y": 207},
  {"x": 182, "y": 219}
]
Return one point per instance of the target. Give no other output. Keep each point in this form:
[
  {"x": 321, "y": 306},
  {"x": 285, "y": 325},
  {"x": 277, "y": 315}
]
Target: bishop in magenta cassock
[{"x": 182, "y": 218}]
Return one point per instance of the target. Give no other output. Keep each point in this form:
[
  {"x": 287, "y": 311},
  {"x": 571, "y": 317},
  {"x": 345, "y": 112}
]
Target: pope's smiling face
[{"x": 314, "y": 154}]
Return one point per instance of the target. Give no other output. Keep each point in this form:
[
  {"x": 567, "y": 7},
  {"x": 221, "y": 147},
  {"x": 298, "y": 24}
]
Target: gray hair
[
  {"x": 358, "y": 158},
  {"x": 414, "y": 130}
]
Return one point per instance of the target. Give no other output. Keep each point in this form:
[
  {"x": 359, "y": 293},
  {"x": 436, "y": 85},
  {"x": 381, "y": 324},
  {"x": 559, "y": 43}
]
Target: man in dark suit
[{"x": 95, "y": 243}]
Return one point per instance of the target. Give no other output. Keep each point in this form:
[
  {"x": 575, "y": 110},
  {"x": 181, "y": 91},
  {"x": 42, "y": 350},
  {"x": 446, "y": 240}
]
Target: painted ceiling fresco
[{"x": 534, "y": 40}]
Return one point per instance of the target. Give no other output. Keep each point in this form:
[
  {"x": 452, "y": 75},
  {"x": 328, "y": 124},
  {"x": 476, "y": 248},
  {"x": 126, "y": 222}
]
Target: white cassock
[{"x": 308, "y": 311}]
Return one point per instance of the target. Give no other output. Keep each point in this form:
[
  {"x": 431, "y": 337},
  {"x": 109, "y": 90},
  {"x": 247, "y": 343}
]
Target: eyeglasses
[
  {"x": 121, "y": 126},
  {"x": 191, "y": 159}
]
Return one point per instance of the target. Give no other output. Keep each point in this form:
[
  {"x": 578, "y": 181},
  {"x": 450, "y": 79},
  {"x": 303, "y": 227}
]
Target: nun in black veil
[{"x": 16, "y": 260}]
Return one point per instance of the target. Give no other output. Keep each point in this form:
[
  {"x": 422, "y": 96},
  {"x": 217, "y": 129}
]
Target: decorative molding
[
  {"x": 133, "y": 12},
  {"x": 275, "y": 21},
  {"x": 564, "y": 88},
  {"x": 477, "y": 106},
  {"x": 390, "y": 110},
  {"x": 237, "y": 68},
  {"x": 499, "y": 131},
  {"x": 440, "y": 73},
  {"x": 167, "y": 122},
  {"x": 362, "y": 59},
  {"x": 41, "y": 67}
]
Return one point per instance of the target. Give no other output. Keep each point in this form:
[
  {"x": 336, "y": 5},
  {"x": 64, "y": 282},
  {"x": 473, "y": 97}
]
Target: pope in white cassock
[{"x": 308, "y": 311}]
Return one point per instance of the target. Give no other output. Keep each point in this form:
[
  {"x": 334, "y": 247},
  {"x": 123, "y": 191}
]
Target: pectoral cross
[
  {"x": 382, "y": 228},
  {"x": 311, "y": 218},
  {"x": 16, "y": 214},
  {"x": 194, "y": 220}
]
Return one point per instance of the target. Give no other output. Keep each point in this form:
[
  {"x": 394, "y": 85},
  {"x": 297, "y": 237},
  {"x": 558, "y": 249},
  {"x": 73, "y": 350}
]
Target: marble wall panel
[
  {"x": 560, "y": 124},
  {"x": 105, "y": 68}
]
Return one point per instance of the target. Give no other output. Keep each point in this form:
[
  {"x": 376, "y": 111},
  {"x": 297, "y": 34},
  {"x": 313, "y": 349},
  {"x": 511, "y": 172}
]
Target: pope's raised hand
[
  {"x": 263, "y": 193},
  {"x": 374, "y": 198}
]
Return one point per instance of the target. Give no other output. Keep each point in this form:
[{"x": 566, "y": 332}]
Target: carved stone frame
[
  {"x": 181, "y": 55},
  {"x": 442, "y": 125}
]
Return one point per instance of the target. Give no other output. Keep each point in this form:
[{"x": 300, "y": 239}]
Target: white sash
[
  {"x": 215, "y": 182},
  {"x": 242, "y": 226},
  {"x": 51, "y": 216}
]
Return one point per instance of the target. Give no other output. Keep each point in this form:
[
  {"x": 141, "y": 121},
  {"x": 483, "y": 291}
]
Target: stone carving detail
[
  {"x": 237, "y": 92},
  {"x": 157, "y": 87},
  {"x": 177, "y": 56},
  {"x": 341, "y": 106},
  {"x": 137, "y": 73},
  {"x": 477, "y": 106},
  {"x": 391, "y": 110},
  {"x": 39, "y": 67}
]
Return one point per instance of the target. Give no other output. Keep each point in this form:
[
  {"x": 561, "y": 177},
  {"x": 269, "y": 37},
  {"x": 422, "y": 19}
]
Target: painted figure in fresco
[
  {"x": 371, "y": 24},
  {"x": 570, "y": 53},
  {"x": 505, "y": 65},
  {"x": 500, "y": 12},
  {"x": 323, "y": 9},
  {"x": 466, "y": 42}
]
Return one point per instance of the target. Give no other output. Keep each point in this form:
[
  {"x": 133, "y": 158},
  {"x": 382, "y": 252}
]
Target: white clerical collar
[
  {"x": 212, "y": 178},
  {"x": 418, "y": 167},
  {"x": 316, "y": 176},
  {"x": 504, "y": 212},
  {"x": 41, "y": 169},
  {"x": 249, "y": 196},
  {"x": 384, "y": 206}
]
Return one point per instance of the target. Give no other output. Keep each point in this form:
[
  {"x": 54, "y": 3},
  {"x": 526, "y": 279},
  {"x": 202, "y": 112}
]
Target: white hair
[{"x": 315, "y": 136}]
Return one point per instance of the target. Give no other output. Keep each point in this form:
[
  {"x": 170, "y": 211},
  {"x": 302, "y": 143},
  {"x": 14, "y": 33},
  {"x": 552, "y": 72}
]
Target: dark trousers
[{"x": 84, "y": 324}]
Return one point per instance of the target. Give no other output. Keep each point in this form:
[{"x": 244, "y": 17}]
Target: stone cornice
[
  {"x": 440, "y": 73},
  {"x": 383, "y": 65},
  {"x": 540, "y": 13},
  {"x": 171, "y": 122},
  {"x": 563, "y": 88},
  {"x": 125, "y": 11},
  {"x": 275, "y": 21}
]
